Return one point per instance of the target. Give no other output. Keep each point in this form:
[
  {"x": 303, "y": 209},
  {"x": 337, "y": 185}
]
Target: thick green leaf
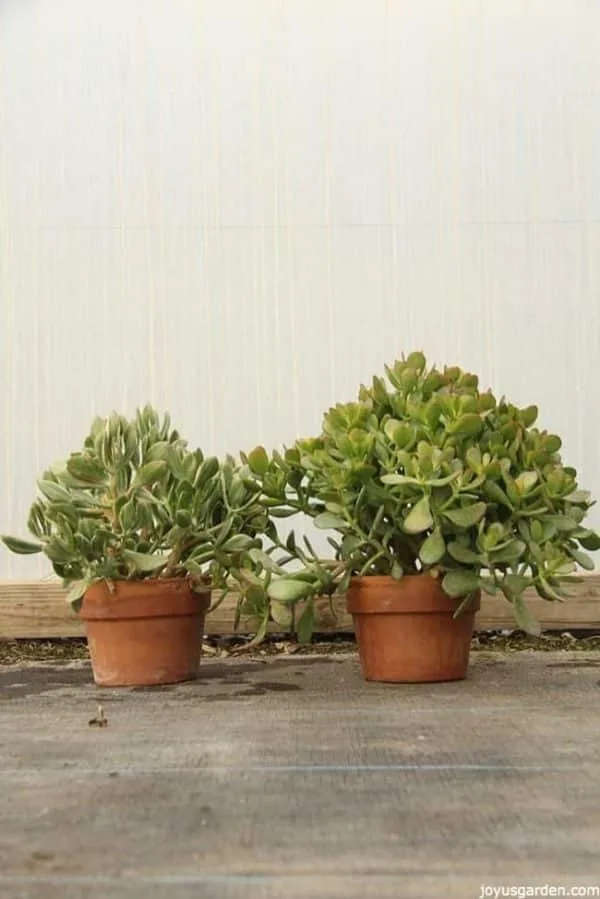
[
  {"x": 158, "y": 451},
  {"x": 238, "y": 543},
  {"x": 21, "y": 547},
  {"x": 86, "y": 469},
  {"x": 582, "y": 559},
  {"x": 489, "y": 585},
  {"x": 144, "y": 562},
  {"x": 460, "y": 582},
  {"x": 397, "y": 571},
  {"x": 305, "y": 624},
  {"x": 288, "y": 590},
  {"x": 419, "y": 518},
  {"x": 149, "y": 474},
  {"x": 467, "y": 516},
  {"x": 468, "y": 425},
  {"x": 76, "y": 591},
  {"x": 59, "y": 552},
  {"x": 496, "y": 494},
  {"x": 562, "y": 522},
  {"x": 526, "y": 481},
  {"x": 416, "y": 361},
  {"x": 464, "y": 605},
  {"x": 552, "y": 443},
  {"x": 463, "y": 554},
  {"x": 260, "y": 557},
  {"x": 399, "y": 432},
  {"x": 550, "y": 592},
  {"x": 258, "y": 460},
  {"x": 282, "y": 613},
  {"x": 128, "y": 516},
  {"x": 56, "y": 493},
  {"x": 395, "y": 479},
  {"x": 328, "y": 520},
  {"x": 442, "y": 482},
  {"x": 174, "y": 462},
  {"x": 207, "y": 470},
  {"x": 591, "y": 542},
  {"x": 582, "y": 497},
  {"x": 516, "y": 583},
  {"x": 535, "y": 532},
  {"x": 433, "y": 548},
  {"x": 525, "y": 620},
  {"x": 528, "y": 415},
  {"x": 509, "y": 553},
  {"x": 183, "y": 519}
]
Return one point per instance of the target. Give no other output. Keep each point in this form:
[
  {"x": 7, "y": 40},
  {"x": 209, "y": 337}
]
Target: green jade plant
[
  {"x": 136, "y": 503},
  {"x": 427, "y": 474}
]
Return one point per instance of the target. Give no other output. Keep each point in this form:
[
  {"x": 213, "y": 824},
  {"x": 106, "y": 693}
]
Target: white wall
[{"x": 239, "y": 209}]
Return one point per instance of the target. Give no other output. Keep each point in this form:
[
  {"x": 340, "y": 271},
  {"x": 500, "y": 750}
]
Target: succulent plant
[
  {"x": 426, "y": 473},
  {"x": 135, "y": 502}
]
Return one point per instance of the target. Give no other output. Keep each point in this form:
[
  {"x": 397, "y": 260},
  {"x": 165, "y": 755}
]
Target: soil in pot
[
  {"x": 406, "y": 631},
  {"x": 142, "y": 633}
]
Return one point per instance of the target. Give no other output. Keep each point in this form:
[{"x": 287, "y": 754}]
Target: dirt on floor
[{"x": 13, "y": 652}]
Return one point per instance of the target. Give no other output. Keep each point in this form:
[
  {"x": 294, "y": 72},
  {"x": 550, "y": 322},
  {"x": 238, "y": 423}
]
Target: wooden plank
[{"x": 37, "y": 609}]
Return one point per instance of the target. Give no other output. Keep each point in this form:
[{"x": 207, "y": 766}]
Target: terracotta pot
[
  {"x": 406, "y": 632},
  {"x": 145, "y": 632}
]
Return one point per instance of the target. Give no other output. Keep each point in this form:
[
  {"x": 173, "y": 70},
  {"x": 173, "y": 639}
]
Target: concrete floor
[{"x": 290, "y": 777}]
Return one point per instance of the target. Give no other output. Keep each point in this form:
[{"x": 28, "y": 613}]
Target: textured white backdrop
[{"x": 239, "y": 209}]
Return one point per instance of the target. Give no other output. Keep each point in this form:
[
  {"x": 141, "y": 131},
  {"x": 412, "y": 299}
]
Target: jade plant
[
  {"x": 136, "y": 502},
  {"x": 426, "y": 473}
]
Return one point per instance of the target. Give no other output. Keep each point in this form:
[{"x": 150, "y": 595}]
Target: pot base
[
  {"x": 144, "y": 633},
  {"x": 406, "y": 631}
]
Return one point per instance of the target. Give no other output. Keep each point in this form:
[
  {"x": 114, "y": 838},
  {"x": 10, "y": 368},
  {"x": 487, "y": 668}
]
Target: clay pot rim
[
  {"x": 386, "y": 578},
  {"x": 419, "y": 594},
  {"x": 180, "y": 579},
  {"x": 143, "y": 598}
]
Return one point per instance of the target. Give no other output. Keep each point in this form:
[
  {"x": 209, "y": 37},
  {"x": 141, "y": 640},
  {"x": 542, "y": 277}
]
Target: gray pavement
[{"x": 291, "y": 777}]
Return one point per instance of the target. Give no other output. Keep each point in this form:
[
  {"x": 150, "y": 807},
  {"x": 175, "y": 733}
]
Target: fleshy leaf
[
  {"x": 258, "y": 460},
  {"x": 526, "y": 481},
  {"x": 582, "y": 559},
  {"x": 76, "y": 591},
  {"x": 86, "y": 469},
  {"x": 56, "y": 493},
  {"x": 282, "y": 613},
  {"x": 21, "y": 547},
  {"x": 416, "y": 361},
  {"x": 306, "y": 623},
  {"x": 149, "y": 474},
  {"x": 579, "y": 497},
  {"x": 144, "y": 562},
  {"x": 467, "y": 516},
  {"x": 591, "y": 542},
  {"x": 419, "y": 518},
  {"x": 516, "y": 583},
  {"x": 328, "y": 520},
  {"x": 524, "y": 618},
  {"x": 395, "y": 479},
  {"x": 238, "y": 543},
  {"x": 468, "y": 425},
  {"x": 460, "y": 582},
  {"x": 397, "y": 571},
  {"x": 497, "y": 494},
  {"x": 463, "y": 554},
  {"x": 433, "y": 548},
  {"x": 260, "y": 557},
  {"x": 289, "y": 590}
]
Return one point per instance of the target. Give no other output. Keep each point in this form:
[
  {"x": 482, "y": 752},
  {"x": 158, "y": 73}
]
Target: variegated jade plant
[
  {"x": 426, "y": 473},
  {"x": 135, "y": 503}
]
